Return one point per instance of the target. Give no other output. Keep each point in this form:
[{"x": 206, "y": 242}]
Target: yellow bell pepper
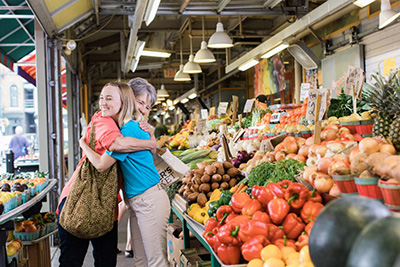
[
  {"x": 216, "y": 194},
  {"x": 192, "y": 209},
  {"x": 199, "y": 215},
  {"x": 206, "y": 218},
  {"x": 206, "y": 206}
]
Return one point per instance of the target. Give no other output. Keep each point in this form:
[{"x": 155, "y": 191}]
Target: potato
[
  {"x": 195, "y": 188},
  {"x": 187, "y": 187},
  {"x": 216, "y": 178},
  {"x": 214, "y": 186},
  {"x": 225, "y": 178},
  {"x": 232, "y": 172},
  {"x": 205, "y": 178},
  {"x": 358, "y": 164},
  {"x": 190, "y": 174},
  {"x": 210, "y": 170},
  {"x": 186, "y": 193},
  {"x": 197, "y": 181},
  {"x": 201, "y": 199},
  {"x": 227, "y": 165},
  {"x": 193, "y": 196},
  {"x": 199, "y": 172},
  {"x": 366, "y": 174},
  {"x": 225, "y": 185},
  {"x": 181, "y": 190},
  {"x": 233, "y": 182},
  {"x": 209, "y": 194},
  {"x": 185, "y": 180},
  {"x": 205, "y": 188},
  {"x": 220, "y": 167}
]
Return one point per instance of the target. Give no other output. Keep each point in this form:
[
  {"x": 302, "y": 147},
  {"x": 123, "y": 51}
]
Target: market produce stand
[
  {"x": 7, "y": 223},
  {"x": 197, "y": 231}
]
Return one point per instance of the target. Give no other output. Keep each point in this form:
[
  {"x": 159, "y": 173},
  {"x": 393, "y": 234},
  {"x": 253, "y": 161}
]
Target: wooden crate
[{"x": 38, "y": 254}]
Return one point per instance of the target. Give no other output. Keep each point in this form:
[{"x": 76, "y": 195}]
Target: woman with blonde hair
[{"x": 147, "y": 201}]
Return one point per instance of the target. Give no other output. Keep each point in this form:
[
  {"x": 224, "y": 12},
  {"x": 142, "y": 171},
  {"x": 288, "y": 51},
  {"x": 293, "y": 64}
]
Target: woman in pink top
[{"x": 107, "y": 137}]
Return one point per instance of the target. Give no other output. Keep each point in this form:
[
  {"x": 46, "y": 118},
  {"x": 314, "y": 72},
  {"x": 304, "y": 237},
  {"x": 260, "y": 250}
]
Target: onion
[
  {"x": 300, "y": 141},
  {"x": 323, "y": 164},
  {"x": 354, "y": 153},
  {"x": 335, "y": 146},
  {"x": 323, "y": 184},
  {"x": 311, "y": 161},
  {"x": 358, "y": 165},
  {"x": 290, "y": 147},
  {"x": 321, "y": 150},
  {"x": 269, "y": 157},
  {"x": 388, "y": 148},
  {"x": 279, "y": 147},
  {"x": 383, "y": 167},
  {"x": 312, "y": 151},
  {"x": 280, "y": 155},
  {"x": 332, "y": 127},
  {"x": 347, "y": 137},
  {"x": 334, "y": 190},
  {"x": 290, "y": 156},
  {"x": 300, "y": 158},
  {"x": 344, "y": 130},
  {"x": 341, "y": 157},
  {"x": 289, "y": 139},
  {"x": 339, "y": 167},
  {"x": 369, "y": 146},
  {"x": 304, "y": 150},
  {"x": 374, "y": 159},
  {"x": 329, "y": 134},
  {"x": 310, "y": 141},
  {"x": 308, "y": 171},
  {"x": 395, "y": 173}
]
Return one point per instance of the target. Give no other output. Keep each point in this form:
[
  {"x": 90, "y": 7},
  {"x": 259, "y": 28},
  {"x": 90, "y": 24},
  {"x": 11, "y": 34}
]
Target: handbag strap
[{"x": 92, "y": 137}]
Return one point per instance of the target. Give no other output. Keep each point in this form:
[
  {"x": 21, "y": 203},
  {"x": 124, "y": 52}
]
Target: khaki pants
[{"x": 149, "y": 219}]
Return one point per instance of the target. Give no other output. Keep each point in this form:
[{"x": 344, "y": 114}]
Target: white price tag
[
  {"x": 204, "y": 113},
  {"x": 355, "y": 77},
  {"x": 248, "y": 105},
  {"x": 201, "y": 126},
  {"x": 223, "y": 106},
  {"x": 304, "y": 90}
]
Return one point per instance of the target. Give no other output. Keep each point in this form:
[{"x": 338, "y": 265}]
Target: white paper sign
[
  {"x": 312, "y": 103},
  {"x": 355, "y": 76},
  {"x": 248, "y": 105},
  {"x": 201, "y": 125},
  {"x": 204, "y": 113},
  {"x": 304, "y": 91},
  {"x": 223, "y": 106}
]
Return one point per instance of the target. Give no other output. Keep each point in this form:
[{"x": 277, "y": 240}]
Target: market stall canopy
[{"x": 16, "y": 32}]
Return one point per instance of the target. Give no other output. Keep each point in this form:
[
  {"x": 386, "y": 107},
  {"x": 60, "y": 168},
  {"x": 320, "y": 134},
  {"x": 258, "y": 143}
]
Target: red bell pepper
[
  {"x": 278, "y": 208},
  {"x": 297, "y": 195},
  {"x": 309, "y": 227},
  {"x": 302, "y": 241},
  {"x": 211, "y": 237},
  {"x": 262, "y": 194},
  {"x": 276, "y": 190},
  {"x": 211, "y": 224},
  {"x": 310, "y": 211},
  {"x": 275, "y": 232},
  {"x": 228, "y": 234},
  {"x": 293, "y": 226},
  {"x": 238, "y": 200},
  {"x": 228, "y": 254},
  {"x": 238, "y": 219},
  {"x": 284, "y": 184},
  {"x": 251, "y": 206},
  {"x": 315, "y": 196},
  {"x": 252, "y": 248},
  {"x": 252, "y": 228},
  {"x": 231, "y": 217},
  {"x": 261, "y": 216},
  {"x": 285, "y": 242},
  {"x": 223, "y": 212}
]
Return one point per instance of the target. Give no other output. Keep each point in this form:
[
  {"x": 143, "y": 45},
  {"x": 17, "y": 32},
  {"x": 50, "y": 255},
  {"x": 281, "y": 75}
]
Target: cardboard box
[
  {"x": 193, "y": 257},
  {"x": 174, "y": 244}
]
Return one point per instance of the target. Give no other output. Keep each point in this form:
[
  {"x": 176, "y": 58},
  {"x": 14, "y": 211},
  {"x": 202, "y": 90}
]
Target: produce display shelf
[
  {"x": 27, "y": 243},
  {"x": 23, "y": 164},
  {"x": 24, "y": 207}
]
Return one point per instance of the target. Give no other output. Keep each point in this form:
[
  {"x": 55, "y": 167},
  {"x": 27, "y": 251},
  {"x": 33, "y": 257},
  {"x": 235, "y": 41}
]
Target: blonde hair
[{"x": 128, "y": 107}]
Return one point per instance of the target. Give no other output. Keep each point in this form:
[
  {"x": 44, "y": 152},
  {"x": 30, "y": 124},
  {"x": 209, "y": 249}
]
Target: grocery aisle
[{"x": 121, "y": 260}]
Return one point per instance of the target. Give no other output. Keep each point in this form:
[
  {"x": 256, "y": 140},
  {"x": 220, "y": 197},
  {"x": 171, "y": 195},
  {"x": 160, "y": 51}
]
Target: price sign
[
  {"x": 355, "y": 77},
  {"x": 204, "y": 113},
  {"x": 248, "y": 105},
  {"x": 201, "y": 126},
  {"x": 169, "y": 73},
  {"x": 223, "y": 106},
  {"x": 304, "y": 90},
  {"x": 312, "y": 103}
]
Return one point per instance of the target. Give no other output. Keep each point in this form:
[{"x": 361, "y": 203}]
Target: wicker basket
[
  {"x": 390, "y": 192},
  {"x": 345, "y": 183},
  {"x": 368, "y": 187}
]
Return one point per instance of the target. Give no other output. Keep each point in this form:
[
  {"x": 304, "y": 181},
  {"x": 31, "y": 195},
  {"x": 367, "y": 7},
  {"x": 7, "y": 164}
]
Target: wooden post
[
  {"x": 240, "y": 121},
  {"x": 354, "y": 99},
  {"x": 235, "y": 107},
  {"x": 317, "y": 128},
  {"x": 212, "y": 111}
]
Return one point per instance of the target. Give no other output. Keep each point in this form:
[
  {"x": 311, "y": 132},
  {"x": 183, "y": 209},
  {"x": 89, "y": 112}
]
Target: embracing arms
[{"x": 100, "y": 162}]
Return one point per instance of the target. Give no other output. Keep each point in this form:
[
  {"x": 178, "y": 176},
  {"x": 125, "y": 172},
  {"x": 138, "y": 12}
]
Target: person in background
[
  {"x": 159, "y": 128},
  {"x": 261, "y": 102},
  {"x": 19, "y": 144}
]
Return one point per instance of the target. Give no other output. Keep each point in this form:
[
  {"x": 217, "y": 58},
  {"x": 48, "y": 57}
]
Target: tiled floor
[{"x": 121, "y": 260}]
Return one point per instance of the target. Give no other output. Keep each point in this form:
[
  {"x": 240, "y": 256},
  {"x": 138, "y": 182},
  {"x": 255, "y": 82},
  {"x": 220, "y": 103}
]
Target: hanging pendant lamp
[
  {"x": 191, "y": 67},
  {"x": 180, "y": 76},
  {"x": 220, "y": 39},
  {"x": 387, "y": 15},
  {"x": 204, "y": 55},
  {"x": 162, "y": 92}
]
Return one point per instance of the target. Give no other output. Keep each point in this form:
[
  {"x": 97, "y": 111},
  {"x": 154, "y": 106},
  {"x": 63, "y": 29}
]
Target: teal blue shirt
[{"x": 138, "y": 167}]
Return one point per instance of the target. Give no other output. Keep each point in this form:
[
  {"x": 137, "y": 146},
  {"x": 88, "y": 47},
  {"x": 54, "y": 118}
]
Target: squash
[
  {"x": 338, "y": 225},
  {"x": 377, "y": 245}
]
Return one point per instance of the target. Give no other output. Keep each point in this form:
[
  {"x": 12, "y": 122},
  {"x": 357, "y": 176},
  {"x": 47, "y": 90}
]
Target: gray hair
[{"x": 140, "y": 86}]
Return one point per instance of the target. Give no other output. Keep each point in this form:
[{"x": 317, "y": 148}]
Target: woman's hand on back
[
  {"x": 145, "y": 126},
  {"x": 82, "y": 141}
]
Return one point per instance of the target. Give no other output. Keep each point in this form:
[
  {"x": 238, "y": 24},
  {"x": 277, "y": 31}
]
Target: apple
[
  {"x": 11, "y": 250},
  {"x": 30, "y": 228},
  {"x": 19, "y": 227}
]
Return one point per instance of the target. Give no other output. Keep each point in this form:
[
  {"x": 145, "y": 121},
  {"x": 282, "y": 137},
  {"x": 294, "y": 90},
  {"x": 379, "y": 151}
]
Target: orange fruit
[
  {"x": 305, "y": 254},
  {"x": 255, "y": 263},
  {"x": 286, "y": 251},
  {"x": 274, "y": 262},
  {"x": 271, "y": 251}
]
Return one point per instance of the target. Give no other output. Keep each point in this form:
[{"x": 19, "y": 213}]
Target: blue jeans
[{"x": 73, "y": 249}]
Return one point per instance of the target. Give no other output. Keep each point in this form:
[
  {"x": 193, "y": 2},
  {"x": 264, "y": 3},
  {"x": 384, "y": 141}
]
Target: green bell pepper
[
  {"x": 225, "y": 198},
  {"x": 213, "y": 207}
]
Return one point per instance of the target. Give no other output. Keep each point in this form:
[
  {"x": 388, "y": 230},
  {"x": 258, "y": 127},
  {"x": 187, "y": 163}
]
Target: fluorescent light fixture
[
  {"x": 220, "y": 39},
  {"x": 151, "y": 11},
  {"x": 185, "y": 100},
  {"x": 157, "y": 102},
  {"x": 180, "y": 76},
  {"x": 192, "y": 96},
  {"x": 276, "y": 50},
  {"x": 150, "y": 66},
  {"x": 169, "y": 102},
  {"x": 272, "y": 3},
  {"x": 151, "y": 53},
  {"x": 248, "y": 65},
  {"x": 162, "y": 92},
  {"x": 204, "y": 55},
  {"x": 171, "y": 108},
  {"x": 363, "y": 3},
  {"x": 191, "y": 67},
  {"x": 139, "y": 49},
  {"x": 387, "y": 15},
  {"x": 164, "y": 104},
  {"x": 160, "y": 98},
  {"x": 163, "y": 113},
  {"x": 134, "y": 65},
  {"x": 176, "y": 101}
]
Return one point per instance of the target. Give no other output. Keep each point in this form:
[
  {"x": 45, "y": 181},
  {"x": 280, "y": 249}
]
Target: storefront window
[{"x": 13, "y": 96}]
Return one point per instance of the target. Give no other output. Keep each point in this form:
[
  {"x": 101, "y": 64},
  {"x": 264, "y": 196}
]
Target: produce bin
[
  {"x": 390, "y": 192},
  {"x": 368, "y": 187},
  {"x": 27, "y": 236},
  {"x": 346, "y": 183}
]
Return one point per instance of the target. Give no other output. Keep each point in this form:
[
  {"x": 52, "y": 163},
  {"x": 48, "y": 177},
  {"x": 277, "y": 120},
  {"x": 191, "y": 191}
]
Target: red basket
[
  {"x": 351, "y": 125},
  {"x": 390, "y": 192},
  {"x": 364, "y": 129},
  {"x": 306, "y": 134},
  {"x": 393, "y": 208},
  {"x": 368, "y": 187},
  {"x": 345, "y": 183}
]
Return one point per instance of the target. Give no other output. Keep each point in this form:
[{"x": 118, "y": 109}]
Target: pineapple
[
  {"x": 394, "y": 135},
  {"x": 381, "y": 100}
]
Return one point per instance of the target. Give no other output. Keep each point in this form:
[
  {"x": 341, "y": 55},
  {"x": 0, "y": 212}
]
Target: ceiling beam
[
  {"x": 42, "y": 14},
  {"x": 102, "y": 42},
  {"x": 222, "y": 4},
  {"x": 184, "y": 4}
]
